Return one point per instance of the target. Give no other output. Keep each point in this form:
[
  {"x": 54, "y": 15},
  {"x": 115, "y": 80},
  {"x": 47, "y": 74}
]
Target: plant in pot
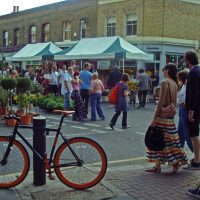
[
  {"x": 3, "y": 101},
  {"x": 36, "y": 90},
  {"x": 24, "y": 99},
  {"x": 9, "y": 84}
]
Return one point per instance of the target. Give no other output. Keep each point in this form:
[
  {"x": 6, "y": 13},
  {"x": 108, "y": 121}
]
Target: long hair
[{"x": 172, "y": 71}]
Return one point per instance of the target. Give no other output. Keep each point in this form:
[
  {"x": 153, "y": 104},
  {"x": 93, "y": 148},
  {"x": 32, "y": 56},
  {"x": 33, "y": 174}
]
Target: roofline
[{"x": 43, "y": 7}]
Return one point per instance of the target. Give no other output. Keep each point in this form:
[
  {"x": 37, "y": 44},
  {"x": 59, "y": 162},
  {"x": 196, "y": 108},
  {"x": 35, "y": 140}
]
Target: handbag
[
  {"x": 154, "y": 139},
  {"x": 170, "y": 110}
]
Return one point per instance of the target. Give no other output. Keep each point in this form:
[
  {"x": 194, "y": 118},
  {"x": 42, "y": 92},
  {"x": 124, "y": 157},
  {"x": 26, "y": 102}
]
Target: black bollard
[{"x": 39, "y": 144}]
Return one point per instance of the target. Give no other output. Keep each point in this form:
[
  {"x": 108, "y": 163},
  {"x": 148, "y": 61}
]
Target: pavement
[
  {"x": 120, "y": 183},
  {"x": 127, "y": 181}
]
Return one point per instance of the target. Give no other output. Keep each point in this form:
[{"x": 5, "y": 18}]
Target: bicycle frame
[{"x": 47, "y": 130}]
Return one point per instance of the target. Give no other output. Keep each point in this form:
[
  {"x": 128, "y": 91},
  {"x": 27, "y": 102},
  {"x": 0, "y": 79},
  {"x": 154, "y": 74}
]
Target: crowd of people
[{"x": 182, "y": 88}]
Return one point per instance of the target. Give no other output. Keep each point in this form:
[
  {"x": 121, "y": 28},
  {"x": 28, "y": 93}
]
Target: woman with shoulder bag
[{"x": 163, "y": 119}]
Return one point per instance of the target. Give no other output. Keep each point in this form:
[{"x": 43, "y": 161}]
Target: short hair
[
  {"x": 191, "y": 57},
  {"x": 183, "y": 75},
  {"x": 141, "y": 70},
  {"x": 125, "y": 77},
  {"x": 87, "y": 64}
]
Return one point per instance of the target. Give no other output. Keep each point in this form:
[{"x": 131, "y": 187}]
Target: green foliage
[
  {"x": 23, "y": 84},
  {"x": 36, "y": 88},
  {"x": 3, "y": 97},
  {"x": 51, "y": 105},
  {"x": 60, "y": 106},
  {"x": 8, "y": 83}
]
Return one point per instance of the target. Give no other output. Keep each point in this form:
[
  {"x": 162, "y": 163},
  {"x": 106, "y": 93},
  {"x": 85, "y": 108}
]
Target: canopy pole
[
  {"x": 123, "y": 64},
  {"x": 81, "y": 64}
]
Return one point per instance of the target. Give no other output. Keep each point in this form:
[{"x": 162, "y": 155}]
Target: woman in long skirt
[{"x": 173, "y": 153}]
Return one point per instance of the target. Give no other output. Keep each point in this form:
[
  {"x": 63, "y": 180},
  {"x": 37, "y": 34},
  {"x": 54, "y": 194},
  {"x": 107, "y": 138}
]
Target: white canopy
[
  {"x": 34, "y": 52},
  {"x": 105, "y": 48}
]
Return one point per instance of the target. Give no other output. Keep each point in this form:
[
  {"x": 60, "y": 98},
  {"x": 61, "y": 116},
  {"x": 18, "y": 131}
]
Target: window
[
  {"x": 83, "y": 28},
  {"x": 5, "y": 38},
  {"x": 111, "y": 26},
  {"x": 178, "y": 60},
  {"x": 131, "y": 25},
  {"x": 45, "y": 32},
  {"x": 16, "y": 37},
  {"x": 67, "y": 30},
  {"x": 32, "y": 34}
]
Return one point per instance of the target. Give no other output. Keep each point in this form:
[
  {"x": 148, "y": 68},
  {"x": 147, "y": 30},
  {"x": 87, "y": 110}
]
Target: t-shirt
[
  {"x": 85, "y": 77},
  {"x": 68, "y": 79}
]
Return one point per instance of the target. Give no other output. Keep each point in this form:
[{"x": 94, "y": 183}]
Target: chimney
[{"x": 15, "y": 9}]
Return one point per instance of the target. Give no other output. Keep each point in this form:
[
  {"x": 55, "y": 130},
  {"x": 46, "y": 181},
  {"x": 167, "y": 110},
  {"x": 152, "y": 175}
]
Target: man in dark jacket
[
  {"x": 114, "y": 77},
  {"x": 193, "y": 109}
]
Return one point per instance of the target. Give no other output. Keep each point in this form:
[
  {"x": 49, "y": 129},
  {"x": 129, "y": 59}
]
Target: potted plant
[
  {"x": 3, "y": 101},
  {"x": 24, "y": 99},
  {"x": 9, "y": 84}
]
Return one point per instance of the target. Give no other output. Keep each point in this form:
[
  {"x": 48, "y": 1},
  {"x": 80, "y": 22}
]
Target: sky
[{"x": 7, "y": 5}]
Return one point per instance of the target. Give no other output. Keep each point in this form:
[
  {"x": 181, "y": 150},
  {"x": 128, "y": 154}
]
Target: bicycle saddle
[{"x": 64, "y": 112}]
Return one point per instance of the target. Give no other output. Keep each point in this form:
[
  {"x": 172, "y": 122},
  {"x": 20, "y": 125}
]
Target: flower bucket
[
  {"x": 10, "y": 122},
  {"x": 26, "y": 119},
  {"x": 3, "y": 110}
]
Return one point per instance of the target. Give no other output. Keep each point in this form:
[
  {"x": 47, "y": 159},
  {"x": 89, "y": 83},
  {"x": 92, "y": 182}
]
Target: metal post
[{"x": 39, "y": 144}]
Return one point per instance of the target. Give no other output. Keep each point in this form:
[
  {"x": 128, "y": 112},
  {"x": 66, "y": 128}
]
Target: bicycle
[{"x": 79, "y": 162}]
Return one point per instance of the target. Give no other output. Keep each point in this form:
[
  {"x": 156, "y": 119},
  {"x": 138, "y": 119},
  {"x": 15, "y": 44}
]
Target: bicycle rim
[
  {"x": 93, "y": 169},
  {"x": 16, "y": 169}
]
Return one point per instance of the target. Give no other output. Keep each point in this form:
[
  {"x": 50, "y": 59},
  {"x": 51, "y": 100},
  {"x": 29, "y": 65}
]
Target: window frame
[
  {"x": 67, "y": 30},
  {"x": 131, "y": 24},
  {"x": 46, "y": 32},
  {"x": 5, "y": 39},
  {"x": 111, "y": 26}
]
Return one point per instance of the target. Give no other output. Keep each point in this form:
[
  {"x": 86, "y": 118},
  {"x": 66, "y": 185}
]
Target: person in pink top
[
  {"x": 79, "y": 108},
  {"x": 95, "y": 97}
]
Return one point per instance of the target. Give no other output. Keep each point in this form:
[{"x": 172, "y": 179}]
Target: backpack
[{"x": 113, "y": 95}]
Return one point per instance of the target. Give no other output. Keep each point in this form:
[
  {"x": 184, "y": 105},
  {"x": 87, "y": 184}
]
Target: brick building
[
  {"x": 166, "y": 28},
  {"x": 60, "y": 22}
]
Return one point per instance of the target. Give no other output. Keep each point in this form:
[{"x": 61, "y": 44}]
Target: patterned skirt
[
  {"x": 80, "y": 111},
  {"x": 173, "y": 151}
]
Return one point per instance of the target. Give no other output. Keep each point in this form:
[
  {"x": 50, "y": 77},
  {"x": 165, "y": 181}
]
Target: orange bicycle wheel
[
  {"x": 14, "y": 170},
  {"x": 94, "y": 163}
]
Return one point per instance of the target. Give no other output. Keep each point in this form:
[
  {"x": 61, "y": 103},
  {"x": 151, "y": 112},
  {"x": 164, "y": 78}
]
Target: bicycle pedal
[{"x": 50, "y": 177}]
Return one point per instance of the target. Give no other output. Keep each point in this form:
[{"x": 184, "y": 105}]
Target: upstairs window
[
  {"x": 67, "y": 30},
  {"x": 16, "y": 37},
  {"x": 131, "y": 25},
  {"x": 5, "y": 38},
  {"x": 32, "y": 34},
  {"x": 83, "y": 28},
  {"x": 111, "y": 26},
  {"x": 45, "y": 32}
]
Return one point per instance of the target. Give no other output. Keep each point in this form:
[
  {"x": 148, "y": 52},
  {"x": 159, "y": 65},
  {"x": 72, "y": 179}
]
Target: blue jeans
[
  {"x": 95, "y": 103},
  {"x": 183, "y": 128},
  {"x": 67, "y": 100}
]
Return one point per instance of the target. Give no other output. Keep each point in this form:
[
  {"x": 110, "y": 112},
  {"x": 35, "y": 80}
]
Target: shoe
[
  {"x": 194, "y": 192},
  {"x": 93, "y": 120},
  {"x": 193, "y": 166},
  {"x": 139, "y": 107},
  {"x": 102, "y": 118},
  {"x": 175, "y": 167},
  {"x": 125, "y": 127},
  {"x": 111, "y": 126},
  {"x": 153, "y": 170}
]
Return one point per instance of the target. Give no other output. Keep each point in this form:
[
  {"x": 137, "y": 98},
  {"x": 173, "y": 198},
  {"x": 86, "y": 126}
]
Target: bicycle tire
[
  {"x": 95, "y": 166},
  {"x": 16, "y": 169}
]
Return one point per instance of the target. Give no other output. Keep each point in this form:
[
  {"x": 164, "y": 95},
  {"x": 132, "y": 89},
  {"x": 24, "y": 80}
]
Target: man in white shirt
[
  {"x": 54, "y": 81},
  {"x": 66, "y": 88}
]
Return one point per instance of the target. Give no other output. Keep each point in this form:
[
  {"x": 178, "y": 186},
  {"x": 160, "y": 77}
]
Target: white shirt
[
  {"x": 181, "y": 95},
  {"x": 54, "y": 77},
  {"x": 68, "y": 79}
]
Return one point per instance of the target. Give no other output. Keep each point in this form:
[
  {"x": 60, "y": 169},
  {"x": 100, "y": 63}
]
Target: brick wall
[
  {"x": 55, "y": 15},
  {"x": 156, "y": 18}
]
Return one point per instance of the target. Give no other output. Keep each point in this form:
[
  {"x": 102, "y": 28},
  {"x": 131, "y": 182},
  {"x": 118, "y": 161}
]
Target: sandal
[
  {"x": 176, "y": 168},
  {"x": 153, "y": 170}
]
